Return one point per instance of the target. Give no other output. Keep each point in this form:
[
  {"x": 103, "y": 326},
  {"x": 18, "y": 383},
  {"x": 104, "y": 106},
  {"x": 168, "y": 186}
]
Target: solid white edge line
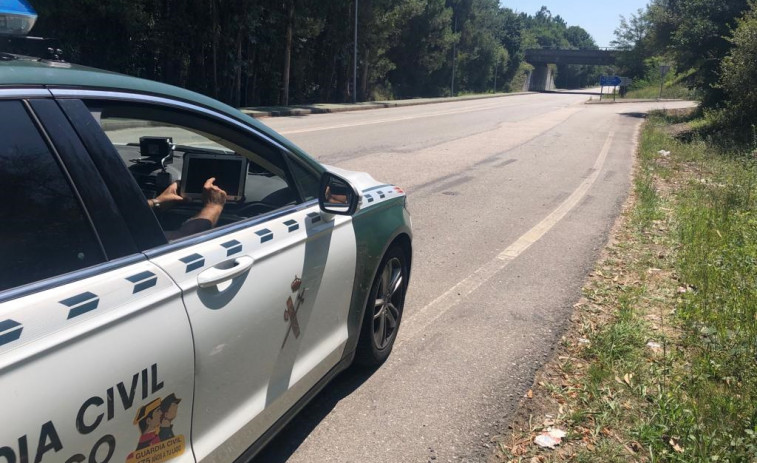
[{"x": 450, "y": 298}]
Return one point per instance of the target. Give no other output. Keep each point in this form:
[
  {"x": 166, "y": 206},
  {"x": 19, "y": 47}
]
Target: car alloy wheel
[
  {"x": 388, "y": 303},
  {"x": 384, "y": 309}
]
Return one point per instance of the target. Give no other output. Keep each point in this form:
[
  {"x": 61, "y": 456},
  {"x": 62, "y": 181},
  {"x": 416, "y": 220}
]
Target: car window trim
[
  {"x": 289, "y": 159},
  {"x": 226, "y": 229},
  {"x": 291, "y": 180},
  {"x": 24, "y": 93},
  {"x": 140, "y": 221},
  {"x": 102, "y": 208},
  {"x": 152, "y": 99},
  {"x": 85, "y": 94},
  {"x": 56, "y": 155},
  {"x": 70, "y": 277}
]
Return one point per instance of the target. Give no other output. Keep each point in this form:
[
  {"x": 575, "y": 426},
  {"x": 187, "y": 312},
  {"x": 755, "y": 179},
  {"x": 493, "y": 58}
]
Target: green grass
[
  {"x": 669, "y": 91},
  {"x": 706, "y": 394},
  {"x": 683, "y": 274}
]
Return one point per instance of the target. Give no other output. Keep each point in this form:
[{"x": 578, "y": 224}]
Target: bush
[{"x": 739, "y": 69}]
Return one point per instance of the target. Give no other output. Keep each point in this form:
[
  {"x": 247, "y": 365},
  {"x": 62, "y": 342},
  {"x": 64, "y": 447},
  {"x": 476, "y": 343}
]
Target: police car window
[
  {"x": 45, "y": 232},
  {"x": 308, "y": 181},
  {"x": 173, "y": 153}
]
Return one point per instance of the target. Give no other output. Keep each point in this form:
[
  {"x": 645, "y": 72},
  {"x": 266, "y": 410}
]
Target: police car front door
[
  {"x": 268, "y": 307},
  {"x": 267, "y": 291}
]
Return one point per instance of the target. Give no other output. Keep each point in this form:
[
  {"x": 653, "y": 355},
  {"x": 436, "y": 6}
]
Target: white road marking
[
  {"x": 395, "y": 119},
  {"x": 424, "y": 317}
]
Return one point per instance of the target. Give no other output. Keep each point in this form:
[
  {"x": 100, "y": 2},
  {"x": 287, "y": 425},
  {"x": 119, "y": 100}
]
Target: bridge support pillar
[{"x": 542, "y": 78}]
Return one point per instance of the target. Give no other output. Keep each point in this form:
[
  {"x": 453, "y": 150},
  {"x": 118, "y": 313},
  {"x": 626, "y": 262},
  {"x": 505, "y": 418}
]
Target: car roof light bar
[{"x": 17, "y": 17}]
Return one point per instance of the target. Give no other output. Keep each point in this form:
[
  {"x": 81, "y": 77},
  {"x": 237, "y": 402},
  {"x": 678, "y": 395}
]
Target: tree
[
  {"x": 695, "y": 33},
  {"x": 426, "y": 43},
  {"x": 739, "y": 68},
  {"x": 479, "y": 48},
  {"x": 631, "y": 37},
  {"x": 269, "y": 52}
]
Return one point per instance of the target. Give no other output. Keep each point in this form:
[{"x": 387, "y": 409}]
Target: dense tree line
[
  {"x": 712, "y": 45},
  {"x": 267, "y": 52}
]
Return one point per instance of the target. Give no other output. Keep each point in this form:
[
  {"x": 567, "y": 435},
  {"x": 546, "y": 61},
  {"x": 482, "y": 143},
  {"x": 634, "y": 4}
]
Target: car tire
[{"x": 383, "y": 312}]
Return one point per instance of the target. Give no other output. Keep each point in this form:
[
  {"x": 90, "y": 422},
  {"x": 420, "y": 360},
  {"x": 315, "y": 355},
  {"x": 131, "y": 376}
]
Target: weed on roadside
[{"x": 660, "y": 362}]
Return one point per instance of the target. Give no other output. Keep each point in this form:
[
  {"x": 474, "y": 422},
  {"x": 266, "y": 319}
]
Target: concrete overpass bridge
[{"x": 541, "y": 78}]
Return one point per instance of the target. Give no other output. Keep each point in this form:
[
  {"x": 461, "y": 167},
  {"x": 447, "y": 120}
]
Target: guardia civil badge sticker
[
  {"x": 292, "y": 307},
  {"x": 157, "y": 442}
]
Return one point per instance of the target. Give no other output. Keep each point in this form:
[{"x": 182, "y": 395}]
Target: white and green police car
[{"x": 137, "y": 327}]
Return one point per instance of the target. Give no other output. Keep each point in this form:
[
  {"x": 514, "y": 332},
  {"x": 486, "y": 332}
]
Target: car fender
[{"x": 377, "y": 228}]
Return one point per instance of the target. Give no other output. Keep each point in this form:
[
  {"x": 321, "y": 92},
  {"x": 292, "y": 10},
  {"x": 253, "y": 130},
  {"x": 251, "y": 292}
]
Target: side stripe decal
[
  {"x": 292, "y": 225},
  {"x": 143, "y": 281},
  {"x": 315, "y": 217},
  {"x": 232, "y": 247},
  {"x": 10, "y": 330},
  {"x": 193, "y": 261},
  {"x": 377, "y": 193},
  {"x": 265, "y": 235},
  {"x": 81, "y": 304}
]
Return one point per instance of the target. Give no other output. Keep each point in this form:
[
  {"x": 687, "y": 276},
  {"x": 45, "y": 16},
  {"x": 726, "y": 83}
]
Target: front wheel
[{"x": 383, "y": 313}]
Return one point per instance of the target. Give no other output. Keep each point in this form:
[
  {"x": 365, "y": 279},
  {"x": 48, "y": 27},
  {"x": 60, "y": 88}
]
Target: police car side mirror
[{"x": 337, "y": 195}]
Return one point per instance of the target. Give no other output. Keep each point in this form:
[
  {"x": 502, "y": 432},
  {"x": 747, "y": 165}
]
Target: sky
[{"x": 599, "y": 19}]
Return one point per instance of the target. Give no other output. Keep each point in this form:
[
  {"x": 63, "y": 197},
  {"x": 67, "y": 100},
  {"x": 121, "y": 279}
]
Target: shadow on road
[
  {"x": 281, "y": 447},
  {"x": 571, "y": 92},
  {"x": 637, "y": 115}
]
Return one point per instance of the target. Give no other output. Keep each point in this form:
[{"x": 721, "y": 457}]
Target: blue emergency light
[{"x": 17, "y": 17}]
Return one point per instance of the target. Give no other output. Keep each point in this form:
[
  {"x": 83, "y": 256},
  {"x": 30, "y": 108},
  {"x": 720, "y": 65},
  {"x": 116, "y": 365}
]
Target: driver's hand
[
  {"x": 170, "y": 195},
  {"x": 212, "y": 194}
]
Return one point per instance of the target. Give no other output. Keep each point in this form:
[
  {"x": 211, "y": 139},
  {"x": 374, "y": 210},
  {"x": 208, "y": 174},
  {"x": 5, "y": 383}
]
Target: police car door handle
[{"x": 224, "y": 271}]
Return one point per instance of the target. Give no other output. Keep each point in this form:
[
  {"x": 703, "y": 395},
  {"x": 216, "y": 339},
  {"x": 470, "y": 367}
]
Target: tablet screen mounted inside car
[{"x": 230, "y": 172}]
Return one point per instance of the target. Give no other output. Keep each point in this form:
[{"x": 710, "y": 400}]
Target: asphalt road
[{"x": 512, "y": 198}]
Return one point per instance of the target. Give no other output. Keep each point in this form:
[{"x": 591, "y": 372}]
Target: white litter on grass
[
  {"x": 545, "y": 440},
  {"x": 583, "y": 341},
  {"x": 654, "y": 345},
  {"x": 664, "y": 153},
  {"x": 549, "y": 438}
]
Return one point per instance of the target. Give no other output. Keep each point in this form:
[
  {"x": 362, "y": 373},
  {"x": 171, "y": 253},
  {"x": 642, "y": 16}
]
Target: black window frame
[
  {"x": 61, "y": 147},
  {"x": 75, "y": 105},
  {"x": 108, "y": 220},
  {"x": 145, "y": 229}
]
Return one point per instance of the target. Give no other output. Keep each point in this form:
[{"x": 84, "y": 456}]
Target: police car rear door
[{"x": 96, "y": 361}]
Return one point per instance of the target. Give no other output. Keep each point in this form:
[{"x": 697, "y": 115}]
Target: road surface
[{"x": 512, "y": 198}]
